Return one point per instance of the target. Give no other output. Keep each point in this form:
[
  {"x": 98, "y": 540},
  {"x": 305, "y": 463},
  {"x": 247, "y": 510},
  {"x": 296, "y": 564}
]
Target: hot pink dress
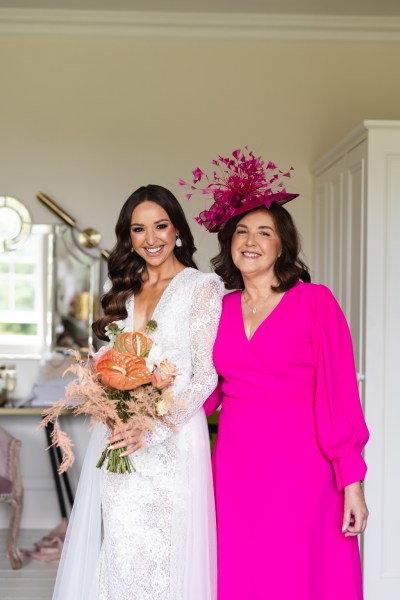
[{"x": 291, "y": 432}]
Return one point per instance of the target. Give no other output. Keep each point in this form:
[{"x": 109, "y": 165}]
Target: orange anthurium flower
[
  {"x": 122, "y": 371},
  {"x": 134, "y": 342}
]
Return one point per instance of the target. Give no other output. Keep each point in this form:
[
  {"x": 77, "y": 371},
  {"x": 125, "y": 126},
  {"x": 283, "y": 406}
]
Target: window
[{"x": 23, "y": 287}]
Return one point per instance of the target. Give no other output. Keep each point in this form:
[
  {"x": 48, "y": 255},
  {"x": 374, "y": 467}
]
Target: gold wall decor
[{"x": 88, "y": 238}]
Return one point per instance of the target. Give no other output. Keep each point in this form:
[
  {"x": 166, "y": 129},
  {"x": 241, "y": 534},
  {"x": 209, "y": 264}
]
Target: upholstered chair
[{"x": 11, "y": 491}]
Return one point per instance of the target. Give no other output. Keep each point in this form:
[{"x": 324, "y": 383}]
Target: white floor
[{"x": 35, "y": 580}]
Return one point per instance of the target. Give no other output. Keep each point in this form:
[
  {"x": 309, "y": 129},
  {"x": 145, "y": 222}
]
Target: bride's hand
[{"x": 128, "y": 437}]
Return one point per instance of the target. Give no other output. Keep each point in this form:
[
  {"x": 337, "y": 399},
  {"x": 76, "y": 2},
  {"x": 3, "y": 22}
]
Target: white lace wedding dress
[{"x": 152, "y": 536}]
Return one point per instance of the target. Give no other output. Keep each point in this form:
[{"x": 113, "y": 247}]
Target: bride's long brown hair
[{"x": 125, "y": 267}]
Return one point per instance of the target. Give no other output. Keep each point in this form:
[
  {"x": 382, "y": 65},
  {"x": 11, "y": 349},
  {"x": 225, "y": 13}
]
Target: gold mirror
[
  {"x": 15, "y": 223},
  {"x": 76, "y": 290},
  {"x": 49, "y": 293}
]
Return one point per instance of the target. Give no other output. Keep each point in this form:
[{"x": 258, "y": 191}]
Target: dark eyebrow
[
  {"x": 260, "y": 227},
  {"x": 155, "y": 223}
]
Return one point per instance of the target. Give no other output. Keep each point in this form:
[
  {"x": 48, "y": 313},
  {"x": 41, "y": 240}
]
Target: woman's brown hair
[
  {"x": 125, "y": 267},
  {"x": 289, "y": 268}
]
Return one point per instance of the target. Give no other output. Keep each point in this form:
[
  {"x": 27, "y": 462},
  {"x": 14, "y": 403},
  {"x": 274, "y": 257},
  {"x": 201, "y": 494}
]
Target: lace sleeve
[{"x": 204, "y": 318}]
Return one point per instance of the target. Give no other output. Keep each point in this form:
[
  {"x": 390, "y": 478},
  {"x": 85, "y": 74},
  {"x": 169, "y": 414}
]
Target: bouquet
[{"x": 126, "y": 381}]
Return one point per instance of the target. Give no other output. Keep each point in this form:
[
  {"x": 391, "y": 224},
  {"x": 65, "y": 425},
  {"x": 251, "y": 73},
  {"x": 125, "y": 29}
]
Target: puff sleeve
[{"x": 341, "y": 429}]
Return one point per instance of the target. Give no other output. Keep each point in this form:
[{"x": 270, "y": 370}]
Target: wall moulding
[{"x": 271, "y": 27}]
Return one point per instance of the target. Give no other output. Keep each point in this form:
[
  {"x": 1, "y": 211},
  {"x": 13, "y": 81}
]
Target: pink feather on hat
[{"x": 242, "y": 183}]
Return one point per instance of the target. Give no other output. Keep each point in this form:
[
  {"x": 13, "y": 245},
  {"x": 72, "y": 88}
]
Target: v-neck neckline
[
  {"x": 173, "y": 280},
  {"x": 273, "y": 312}
]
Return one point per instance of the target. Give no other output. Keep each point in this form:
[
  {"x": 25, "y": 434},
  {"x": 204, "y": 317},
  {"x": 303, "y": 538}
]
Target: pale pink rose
[
  {"x": 97, "y": 355},
  {"x": 160, "y": 379},
  {"x": 169, "y": 368}
]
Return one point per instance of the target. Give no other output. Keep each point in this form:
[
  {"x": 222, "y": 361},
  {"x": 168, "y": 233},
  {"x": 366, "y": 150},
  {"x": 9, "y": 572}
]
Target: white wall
[{"x": 88, "y": 120}]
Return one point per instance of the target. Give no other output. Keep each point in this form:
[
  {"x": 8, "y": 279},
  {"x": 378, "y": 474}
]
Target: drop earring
[
  {"x": 178, "y": 241},
  {"x": 132, "y": 250}
]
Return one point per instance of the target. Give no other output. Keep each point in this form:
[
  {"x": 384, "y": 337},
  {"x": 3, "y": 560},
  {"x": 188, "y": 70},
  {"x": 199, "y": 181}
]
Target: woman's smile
[
  {"x": 251, "y": 255},
  {"x": 154, "y": 250}
]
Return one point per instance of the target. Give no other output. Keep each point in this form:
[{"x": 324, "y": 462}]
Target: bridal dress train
[{"x": 150, "y": 535}]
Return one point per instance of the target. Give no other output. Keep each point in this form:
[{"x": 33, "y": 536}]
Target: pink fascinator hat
[{"x": 238, "y": 185}]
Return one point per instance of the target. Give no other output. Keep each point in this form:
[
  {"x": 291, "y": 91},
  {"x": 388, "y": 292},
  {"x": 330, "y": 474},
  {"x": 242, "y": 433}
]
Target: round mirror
[{"x": 15, "y": 223}]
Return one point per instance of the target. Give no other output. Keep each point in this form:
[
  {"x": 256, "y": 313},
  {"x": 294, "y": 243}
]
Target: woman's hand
[
  {"x": 126, "y": 436},
  {"x": 355, "y": 510}
]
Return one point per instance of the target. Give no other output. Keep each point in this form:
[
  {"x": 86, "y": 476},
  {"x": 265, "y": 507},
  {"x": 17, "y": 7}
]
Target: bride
[{"x": 150, "y": 535}]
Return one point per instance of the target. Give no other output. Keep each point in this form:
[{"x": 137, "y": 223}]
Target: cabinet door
[
  {"x": 329, "y": 228},
  {"x": 340, "y": 197},
  {"x": 354, "y": 231}
]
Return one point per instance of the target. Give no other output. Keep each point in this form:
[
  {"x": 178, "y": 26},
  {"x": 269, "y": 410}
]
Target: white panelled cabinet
[{"x": 357, "y": 254}]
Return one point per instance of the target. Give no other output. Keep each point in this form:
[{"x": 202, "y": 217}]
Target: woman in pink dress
[{"x": 287, "y": 461}]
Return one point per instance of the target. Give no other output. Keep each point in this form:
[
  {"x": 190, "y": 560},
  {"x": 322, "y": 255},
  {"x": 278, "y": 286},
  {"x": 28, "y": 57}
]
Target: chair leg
[{"x": 12, "y": 548}]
